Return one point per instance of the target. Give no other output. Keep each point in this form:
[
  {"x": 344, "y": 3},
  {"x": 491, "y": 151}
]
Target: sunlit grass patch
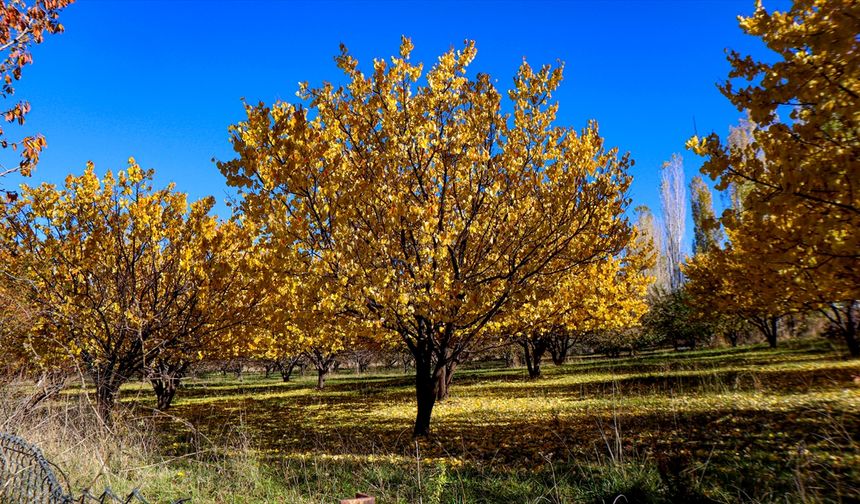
[{"x": 745, "y": 424}]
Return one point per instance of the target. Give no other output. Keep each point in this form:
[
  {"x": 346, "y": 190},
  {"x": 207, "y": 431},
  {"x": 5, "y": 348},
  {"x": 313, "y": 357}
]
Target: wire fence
[{"x": 27, "y": 477}]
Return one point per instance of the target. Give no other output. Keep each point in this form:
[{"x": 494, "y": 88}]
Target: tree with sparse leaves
[{"x": 21, "y": 26}]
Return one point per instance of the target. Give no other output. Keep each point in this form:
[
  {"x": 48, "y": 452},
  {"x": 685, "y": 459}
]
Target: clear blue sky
[{"x": 162, "y": 80}]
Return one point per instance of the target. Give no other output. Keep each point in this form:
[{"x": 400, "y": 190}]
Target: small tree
[{"x": 120, "y": 273}]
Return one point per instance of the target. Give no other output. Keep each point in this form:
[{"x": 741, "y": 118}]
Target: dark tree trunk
[
  {"x": 107, "y": 393},
  {"x": 165, "y": 390},
  {"x": 286, "y": 368},
  {"x": 427, "y": 376},
  {"x": 323, "y": 363},
  {"x": 558, "y": 347},
  {"x": 844, "y": 317},
  {"x": 733, "y": 338},
  {"x": 769, "y": 328},
  {"x": 165, "y": 378},
  {"x": 268, "y": 368},
  {"x": 534, "y": 349}
]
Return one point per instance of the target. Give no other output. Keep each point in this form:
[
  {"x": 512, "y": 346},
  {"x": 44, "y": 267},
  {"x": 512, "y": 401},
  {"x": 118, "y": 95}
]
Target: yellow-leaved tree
[
  {"x": 590, "y": 300},
  {"x": 121, "y": 275},
  {"x": 797, "y": 231},
  {"x": 422, "y": 208}
]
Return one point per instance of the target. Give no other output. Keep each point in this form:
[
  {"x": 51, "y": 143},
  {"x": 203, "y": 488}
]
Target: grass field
[{"x": 732, "y": 425}]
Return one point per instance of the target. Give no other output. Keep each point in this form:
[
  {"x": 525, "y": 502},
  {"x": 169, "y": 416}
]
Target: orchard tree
[
  {"x": 227, "y": 298},
  {"x": 723, "y": 284},
  {"x": 601, "y": 297},
  {"x": 22, "y": 25},
  {"x": 800, "y": 177},
  {"x": 119, "y": 273},
  {"x": 424, "y": 209}
]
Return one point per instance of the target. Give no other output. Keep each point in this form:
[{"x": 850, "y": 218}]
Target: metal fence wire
[
  {"x": 25, "y": 474},
  {"x": 27, "y": 477}
]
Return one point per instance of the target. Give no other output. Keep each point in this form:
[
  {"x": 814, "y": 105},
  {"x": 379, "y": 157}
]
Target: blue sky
[{"x": 162, "y": 80}]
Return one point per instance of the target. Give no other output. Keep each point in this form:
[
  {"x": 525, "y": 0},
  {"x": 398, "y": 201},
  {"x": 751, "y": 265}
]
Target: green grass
[{"x": 727, "y": 425}]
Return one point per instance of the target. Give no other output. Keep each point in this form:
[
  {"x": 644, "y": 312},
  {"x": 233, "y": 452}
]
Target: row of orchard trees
[
  {"x": 404, "y": 209},
  {"x": 792, "y": 229},
  {"x": 122, "y": 280},
  {"x": 429, "y": 211}
]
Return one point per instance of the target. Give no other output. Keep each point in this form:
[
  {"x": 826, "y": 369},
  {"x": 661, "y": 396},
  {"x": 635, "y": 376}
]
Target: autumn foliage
[
  {"x": 122, "y": 276},
  {"x": 21, "y": 26},
  {"x": 793, "y": 241},
  {"x": 419, "y": 209}
]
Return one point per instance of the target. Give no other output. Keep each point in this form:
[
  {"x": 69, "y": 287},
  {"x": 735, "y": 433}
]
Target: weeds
[{"x": 744, "y": 425}]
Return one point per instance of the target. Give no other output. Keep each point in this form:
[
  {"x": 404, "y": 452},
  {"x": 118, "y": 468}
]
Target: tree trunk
[
  {"x": 733, "y": 338},
  {"x": 771, "y": 334},
  {"x": 363, "y": 365},
  {"x": 323, "y": 363},
  {"x": 165, "y": 379},
  {"x": 559, "y": 346},
  {"x": 286, "y": 369},
  {"x": 426, "y": 378},
  {"x": 443, "y": 380},
  {"x": 534, "y": 349},
  {"x": 844, "y": 317},
  {"x": 165, "y": 390},
  {"x": 322, "y": 373},
  {"x": 107, "y": 393},
  {"x": 768, "y": 327},
  {"x": 853, "y": 343}
]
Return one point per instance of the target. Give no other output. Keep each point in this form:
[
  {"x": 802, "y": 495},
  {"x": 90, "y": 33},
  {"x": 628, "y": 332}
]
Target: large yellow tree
[
  {"x": 799, "y": 165},
  {"x": 121, "y": 274},
  {"x": 422, "y": 207}
]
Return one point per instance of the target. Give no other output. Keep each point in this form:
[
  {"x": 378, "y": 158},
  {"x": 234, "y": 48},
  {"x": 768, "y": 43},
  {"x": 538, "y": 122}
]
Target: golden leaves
[
  {"x": 401, "y": 203},
  {"x": 795, "y": 182}
]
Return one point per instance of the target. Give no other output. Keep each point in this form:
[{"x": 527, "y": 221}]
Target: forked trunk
[
  {"x": 286, "y": 367},
  {"x": 844, "y": 317},
  {"x": 165, "y": 391},
  {"x": 769, "y": 328},
  {"x": 533, "y": 350},
  {"x": 165, "y": 379},
  {"x": 443, "y": 379}
]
